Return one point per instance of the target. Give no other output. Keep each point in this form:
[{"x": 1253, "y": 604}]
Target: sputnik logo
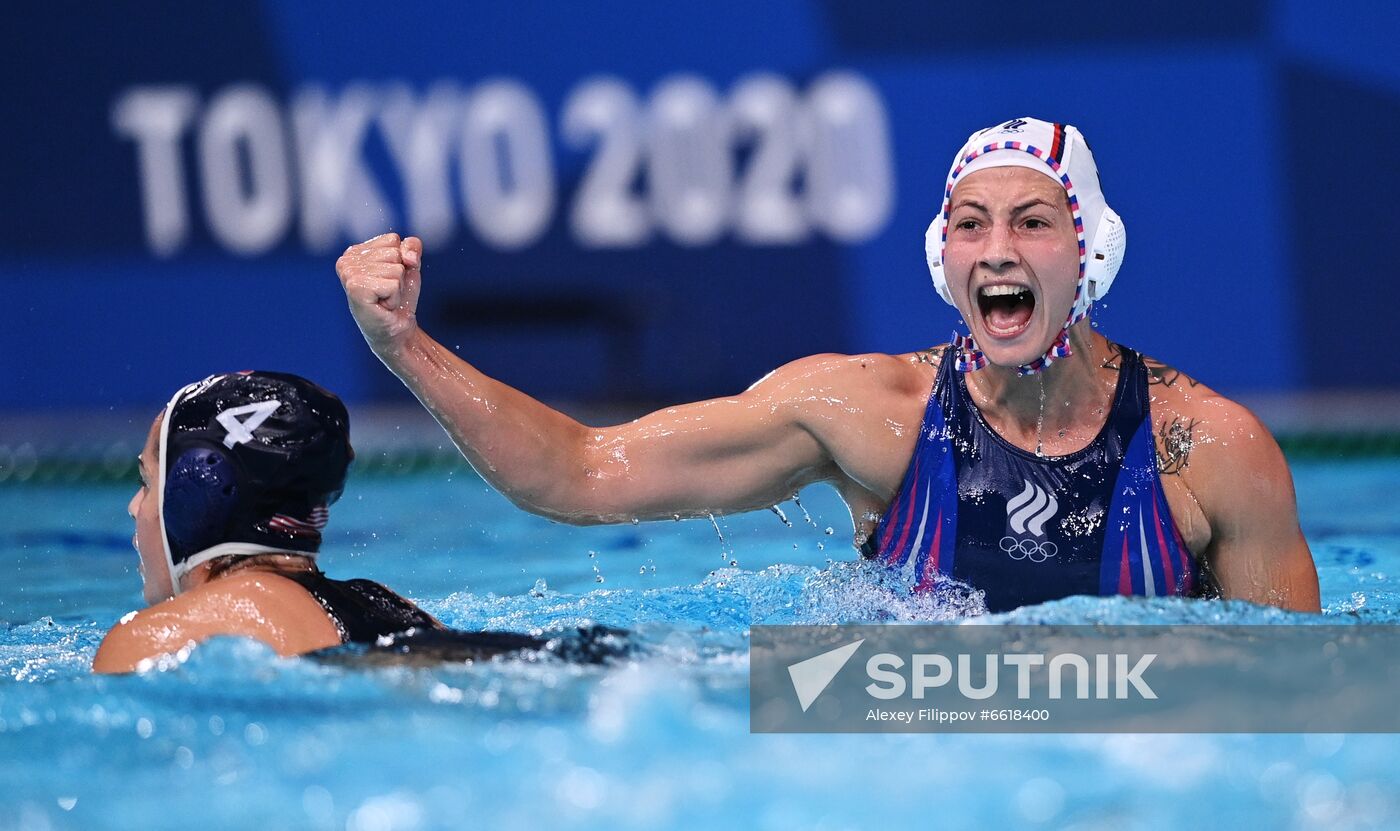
[{"x": 811, "y": 677}]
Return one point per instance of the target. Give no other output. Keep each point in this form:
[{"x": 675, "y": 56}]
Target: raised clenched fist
[{"x": 381, "y": 278}]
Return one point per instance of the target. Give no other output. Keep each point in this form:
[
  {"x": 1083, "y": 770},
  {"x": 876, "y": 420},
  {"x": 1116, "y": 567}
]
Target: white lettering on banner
[
  {"x": 338, "y": 193},
  {"x": 766, "y": 110},
  {"x": 606, "y": 213},
  {"x": 250, "y": 221},
  {"x": 506, "y": 166},
  {"x": 156, "y": 118},
  {"x": 767, "y": 163},
  {"x": 850, "y": 187},
  {"x": 420, "y": 140},
  {"x": 689, "y": 168}
]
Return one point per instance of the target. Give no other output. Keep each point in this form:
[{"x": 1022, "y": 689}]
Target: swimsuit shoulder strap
[
  {"x": 1131, "y": 399},
  {"x": 362, "y": 610}
]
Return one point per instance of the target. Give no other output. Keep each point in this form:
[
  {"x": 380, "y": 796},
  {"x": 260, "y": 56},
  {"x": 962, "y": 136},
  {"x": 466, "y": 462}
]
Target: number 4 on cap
[{"x": 242, "y": 431}]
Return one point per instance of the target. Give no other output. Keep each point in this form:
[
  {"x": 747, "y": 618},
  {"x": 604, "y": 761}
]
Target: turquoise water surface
[{"x": 234, "y": 737}]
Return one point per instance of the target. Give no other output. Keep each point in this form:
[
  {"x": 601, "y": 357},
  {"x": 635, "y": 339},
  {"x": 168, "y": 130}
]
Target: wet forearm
[{"x": 526, "y": 450}]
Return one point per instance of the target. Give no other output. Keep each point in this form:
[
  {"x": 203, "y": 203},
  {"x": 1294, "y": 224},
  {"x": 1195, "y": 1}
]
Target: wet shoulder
[
  {"x": 238, "y": 606},
  {"x": 261, "y": 605},
  {"x": 839, "y": 379},
  {"x": 866, "y": 412},
  {"x": 1195, "y": 423}
]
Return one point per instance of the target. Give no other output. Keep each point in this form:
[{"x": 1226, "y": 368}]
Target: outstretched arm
[{"x": 723, "y": 455}]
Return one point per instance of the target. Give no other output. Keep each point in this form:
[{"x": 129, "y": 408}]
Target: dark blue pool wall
[{"x": 1251, "y": 148}]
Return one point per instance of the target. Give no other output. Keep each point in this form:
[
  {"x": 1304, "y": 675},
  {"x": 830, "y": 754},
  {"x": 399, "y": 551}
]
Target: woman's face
[
  {"x": 1012, "y": 261},
  {"x": 145, "y": 509}
]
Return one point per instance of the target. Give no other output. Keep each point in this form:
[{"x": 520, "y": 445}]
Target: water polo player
[
  {"x": 1030, "y": 458},
  {"x": 237, "y": 477}
]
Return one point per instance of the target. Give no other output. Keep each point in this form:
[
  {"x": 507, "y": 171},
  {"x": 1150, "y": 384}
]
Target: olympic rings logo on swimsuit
[{"x": 1036, "y": 552}]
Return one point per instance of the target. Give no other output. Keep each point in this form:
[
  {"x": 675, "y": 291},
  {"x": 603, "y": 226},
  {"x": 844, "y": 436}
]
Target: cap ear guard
[
  {"x": 201, "y": 493},
  {"x": 933, "y": 252},
  {"x": 1105, "y": 254}
]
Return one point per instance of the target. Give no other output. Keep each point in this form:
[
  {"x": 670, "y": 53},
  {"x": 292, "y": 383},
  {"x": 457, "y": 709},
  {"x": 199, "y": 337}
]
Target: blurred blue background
[{"x": 659, "y": 202}]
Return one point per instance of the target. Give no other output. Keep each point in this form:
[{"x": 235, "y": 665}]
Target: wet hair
[{"x": 220, "y": 566}]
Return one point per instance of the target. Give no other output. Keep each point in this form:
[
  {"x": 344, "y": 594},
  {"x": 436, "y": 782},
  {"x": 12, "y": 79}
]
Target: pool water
[{"x": 234, "y": 737}]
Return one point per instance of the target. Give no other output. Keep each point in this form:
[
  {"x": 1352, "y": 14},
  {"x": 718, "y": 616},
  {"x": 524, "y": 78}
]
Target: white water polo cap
[{"x": 1060, "y": 152}]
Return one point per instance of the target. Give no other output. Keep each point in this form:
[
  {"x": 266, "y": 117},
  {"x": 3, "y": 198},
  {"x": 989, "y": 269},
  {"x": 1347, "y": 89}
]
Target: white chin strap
[{"x": 175, "y": 573}]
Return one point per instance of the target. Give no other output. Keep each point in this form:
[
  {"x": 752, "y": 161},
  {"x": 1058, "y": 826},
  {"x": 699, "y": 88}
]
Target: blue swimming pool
[{"x": 235, "y": 738}]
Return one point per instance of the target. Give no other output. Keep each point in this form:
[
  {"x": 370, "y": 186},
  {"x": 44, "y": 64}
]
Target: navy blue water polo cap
[{"x": 250, "y": 464}]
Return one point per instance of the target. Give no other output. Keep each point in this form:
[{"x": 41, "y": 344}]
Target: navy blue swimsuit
[
  {"x": 391, "y": 629},
  {"x": 1026, "y": 529}
]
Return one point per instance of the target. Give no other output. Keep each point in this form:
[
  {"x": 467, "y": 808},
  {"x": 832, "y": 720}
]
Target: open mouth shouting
[{"x": 1006, "y": 309}]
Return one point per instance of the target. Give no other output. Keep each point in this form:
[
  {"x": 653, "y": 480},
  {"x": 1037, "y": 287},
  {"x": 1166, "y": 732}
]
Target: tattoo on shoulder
[
  {"x": 1158, "y": 373},
  {"x": 932, "y": 355},
  {"x": 1115, "y": 357},
  {"x": 1176, "y": 438}
]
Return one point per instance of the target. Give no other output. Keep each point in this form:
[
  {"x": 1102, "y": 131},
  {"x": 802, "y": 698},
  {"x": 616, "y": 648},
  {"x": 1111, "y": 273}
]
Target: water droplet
[
  {"x": 829, "y": 530},
  {"x": 598, "y": 578},
  {"x": 724, "y": 549},
  {"x": 254, "y": 734},
  {"x": 805, "y": 515},
  {"x": 540, "y": 588},
  {"x": 821, "y": 546},
  {"x": 779, "y": 511}
]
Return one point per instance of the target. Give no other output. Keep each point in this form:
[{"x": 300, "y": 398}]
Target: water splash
[
  {"x": 726, "y": 551},
  {"x": 806, "y": 516}
]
